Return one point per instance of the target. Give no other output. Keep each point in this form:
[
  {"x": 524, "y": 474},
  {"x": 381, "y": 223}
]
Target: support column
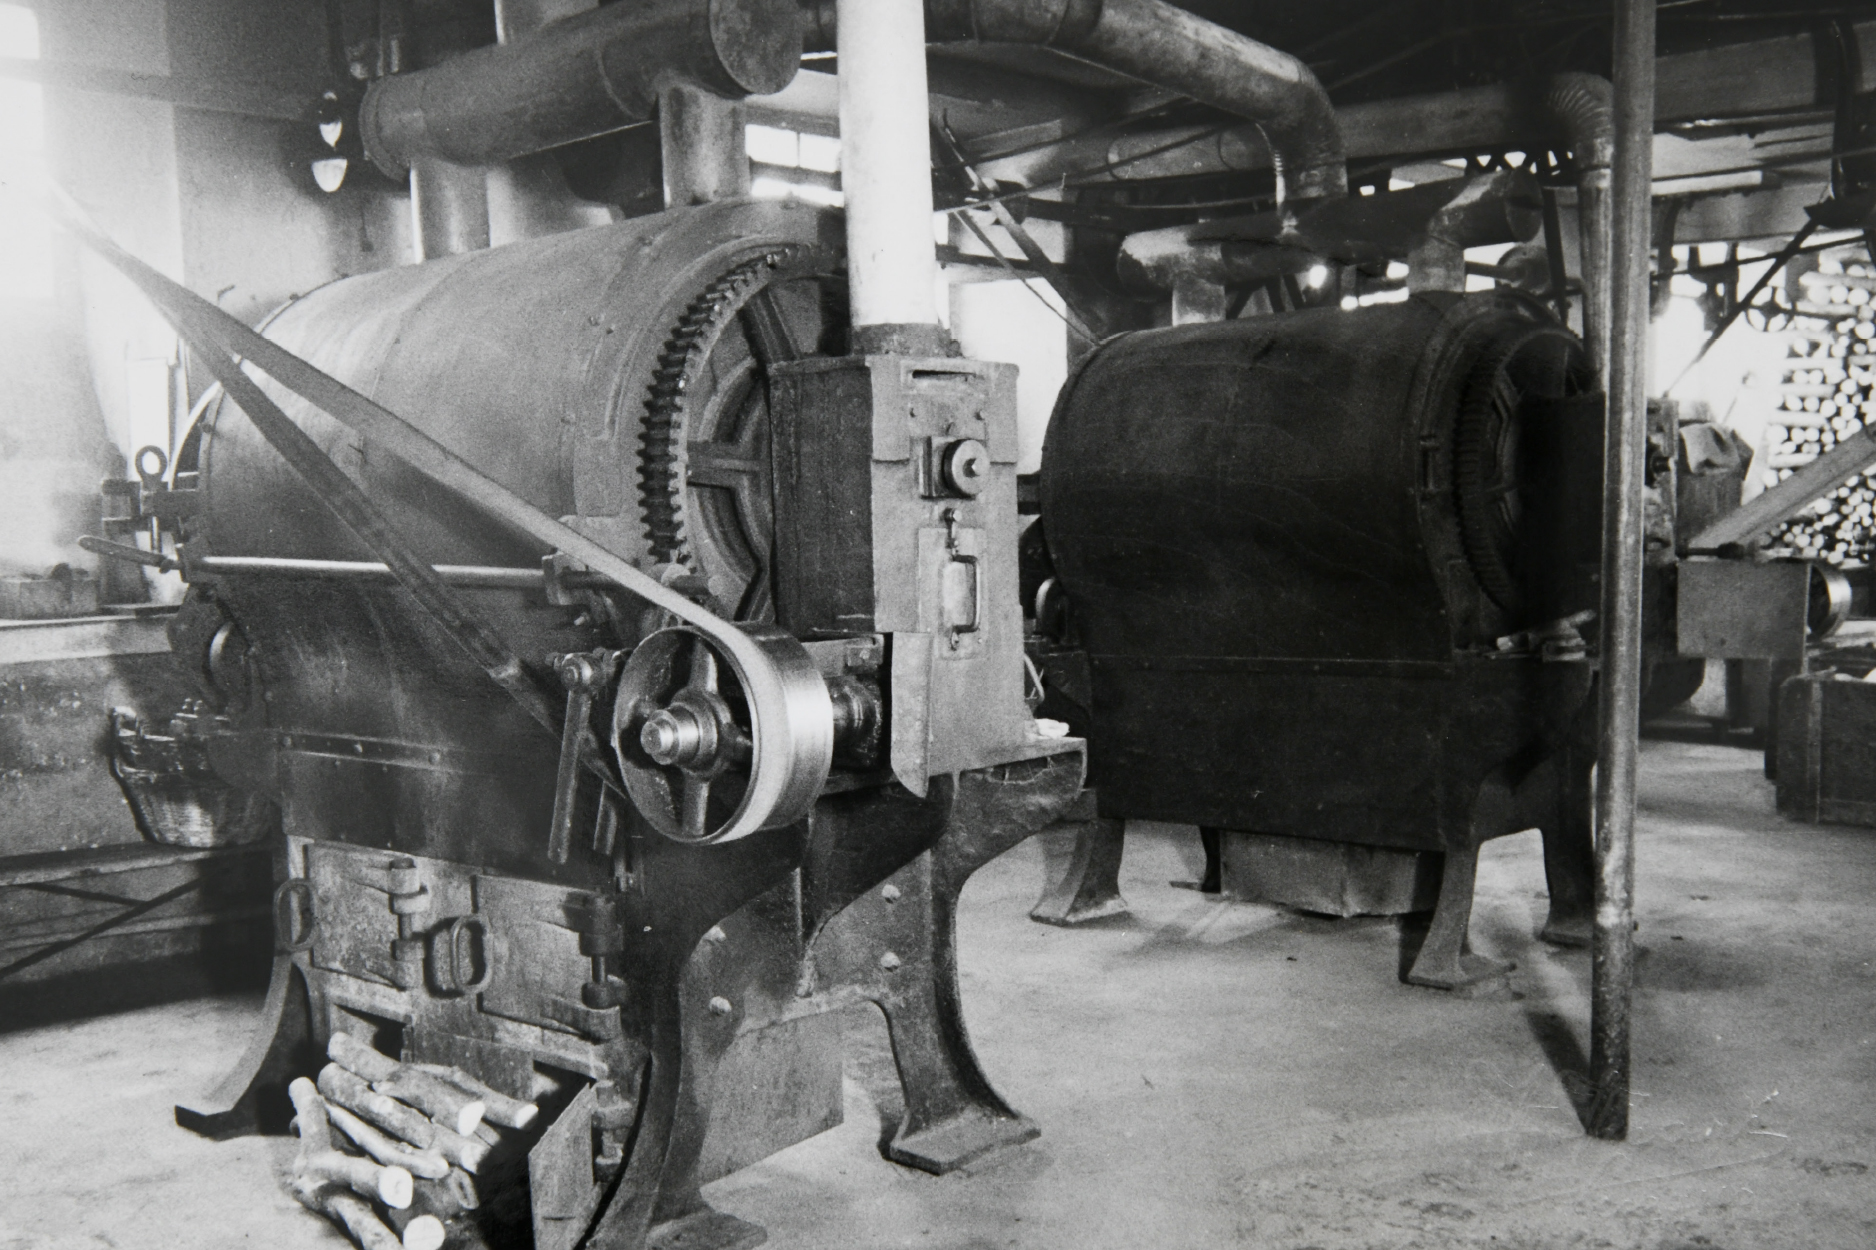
[
  {"x": 1624, "y": 459},
  {"x": 702, "y": 139},
  {"x": 885, "y": 158},
  {"x": 449, "y": 209}
]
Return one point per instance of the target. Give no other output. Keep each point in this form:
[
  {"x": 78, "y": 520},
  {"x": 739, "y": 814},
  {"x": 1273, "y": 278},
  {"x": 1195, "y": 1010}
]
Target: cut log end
[
  {"x": 394, "y": 1187},
  {"x": 426, "y": 1232}
]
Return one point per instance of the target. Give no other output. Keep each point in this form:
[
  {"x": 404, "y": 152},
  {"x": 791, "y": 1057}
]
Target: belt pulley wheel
[
  {"x": 704, "y": 476},
  {"x": 686, "y": 736}
]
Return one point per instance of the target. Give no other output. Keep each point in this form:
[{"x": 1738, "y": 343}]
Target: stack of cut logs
[
  {"x": 1828, "y": 395},
  {"x": 420, "y": 1131}
]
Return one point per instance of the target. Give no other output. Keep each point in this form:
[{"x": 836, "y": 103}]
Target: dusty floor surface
[{"x": 1214, "y": 1074}]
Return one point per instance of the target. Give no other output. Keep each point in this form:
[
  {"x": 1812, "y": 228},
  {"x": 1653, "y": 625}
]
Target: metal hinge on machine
[{"x": 602, "y": 936}]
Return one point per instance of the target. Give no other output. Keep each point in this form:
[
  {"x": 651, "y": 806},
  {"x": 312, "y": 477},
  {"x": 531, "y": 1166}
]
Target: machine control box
[{"x": 895, "y": 513}]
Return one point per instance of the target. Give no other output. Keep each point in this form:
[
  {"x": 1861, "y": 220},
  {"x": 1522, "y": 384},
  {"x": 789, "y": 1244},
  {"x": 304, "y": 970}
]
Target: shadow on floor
[{"x": 223, "y": 969}]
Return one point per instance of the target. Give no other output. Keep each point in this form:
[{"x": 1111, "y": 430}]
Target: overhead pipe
[
  {"x": 1583, "y": 107},
  {"x": 1168, "y": 47},
  {"x": 1620, "y": 677},
  {"x": 885, "y": 160},
  {"x": 578, "y": 77},
  {"x": 1764, "y": 76},
  {"x": 1430, "y": 226}
]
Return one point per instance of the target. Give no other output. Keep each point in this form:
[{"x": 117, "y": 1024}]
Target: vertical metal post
[
  {"x": 885, "y": 170},
  {"x": 1624, "y": 460},
  {"x": 701, "y": 134}
]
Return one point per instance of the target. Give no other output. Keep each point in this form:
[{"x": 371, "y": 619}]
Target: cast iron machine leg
[
  {"x": 1569, "y": 852},
  {"x": 896, "y": 946},
  {"x": 1083, "y": 883}
]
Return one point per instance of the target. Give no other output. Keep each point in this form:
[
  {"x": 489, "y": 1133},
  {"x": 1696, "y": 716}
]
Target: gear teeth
[{"x": 664, "y": 452}]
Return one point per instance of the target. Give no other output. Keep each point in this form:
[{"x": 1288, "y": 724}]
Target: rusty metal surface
[
  {"x": 56, "y": 787},
  {"x": 1330, "y": 878},
  {"x": 1742, "y": 610}
]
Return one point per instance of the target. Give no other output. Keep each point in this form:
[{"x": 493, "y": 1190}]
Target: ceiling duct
[
  {"x": 1168, "y": 47},
  {"x": 576, "y": 78}
]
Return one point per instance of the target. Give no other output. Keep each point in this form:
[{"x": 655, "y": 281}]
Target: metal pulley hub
[{"x": 701, "y": 762}]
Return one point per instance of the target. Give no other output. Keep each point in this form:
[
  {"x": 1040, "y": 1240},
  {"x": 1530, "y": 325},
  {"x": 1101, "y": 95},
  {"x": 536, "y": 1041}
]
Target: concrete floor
[{"x": 1212, "y": 1074}]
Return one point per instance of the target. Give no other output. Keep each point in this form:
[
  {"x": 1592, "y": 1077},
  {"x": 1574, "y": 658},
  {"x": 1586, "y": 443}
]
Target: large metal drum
[
  {"x": 1315, "y": 563},
  {"x": 606, "y": 376}
]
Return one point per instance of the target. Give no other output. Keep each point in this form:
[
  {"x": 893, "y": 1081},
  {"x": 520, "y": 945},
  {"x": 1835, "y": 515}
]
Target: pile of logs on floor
[
  {"x": 410, "y": 1140},
  {"x": 1828, "y": 394}
]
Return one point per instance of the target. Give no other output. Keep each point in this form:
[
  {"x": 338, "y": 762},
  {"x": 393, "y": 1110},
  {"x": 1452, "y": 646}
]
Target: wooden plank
[{"x": 1850, "y": 456}]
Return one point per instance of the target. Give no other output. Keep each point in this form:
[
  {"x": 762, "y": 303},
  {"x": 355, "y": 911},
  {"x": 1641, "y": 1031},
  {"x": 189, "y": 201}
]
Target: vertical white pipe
[{"x": 885, "y": 156}]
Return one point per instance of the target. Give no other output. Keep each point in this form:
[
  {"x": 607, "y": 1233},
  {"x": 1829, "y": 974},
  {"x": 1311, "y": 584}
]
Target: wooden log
[
  {"x": 389, "y": 1185},
  {"x": 466, "y": 1153},
  {"x": 335, "y": 1203},
  {"x": 350, "y": 1091},
  {"x": 318, "y": 1161},
  {"x": 441, "y": 1100},
  {"x": 418, "y": 1230},
  {"x": 425, "y": 1163},
  {"x": 499, "y": 1107},
  {"x": 355, "y": 1056},
  {"x": 447, "y": 1198},
  {"x": 309, "y": 1118}
]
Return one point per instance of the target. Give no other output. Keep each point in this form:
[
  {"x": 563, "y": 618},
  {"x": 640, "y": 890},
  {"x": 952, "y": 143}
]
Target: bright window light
[
  {"x": 25, "y": 235},
  {"x": 1317, "y": 275},
  {"x": 771, "y": 145},
  {"x": 820, "y": 153},
  {"x": 19, "y": 32},
  {"x": 770, "y": 188}
]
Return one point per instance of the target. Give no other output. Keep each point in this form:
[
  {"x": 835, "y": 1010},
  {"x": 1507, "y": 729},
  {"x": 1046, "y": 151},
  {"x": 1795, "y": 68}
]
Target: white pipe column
[{"x": 885, "y": 157}]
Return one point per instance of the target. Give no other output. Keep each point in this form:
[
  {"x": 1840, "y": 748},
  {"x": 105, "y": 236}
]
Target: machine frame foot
[{"x": 1088, "y": 884}]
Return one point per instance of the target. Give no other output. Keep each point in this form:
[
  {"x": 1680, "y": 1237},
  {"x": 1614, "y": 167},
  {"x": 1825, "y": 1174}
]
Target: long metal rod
[
  {"x": 471, "y": 576},
  {"x": 1613, "y": 948},
  {"x": 195, "y": 568}
]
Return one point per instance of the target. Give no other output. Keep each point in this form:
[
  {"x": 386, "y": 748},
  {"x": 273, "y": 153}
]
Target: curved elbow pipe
[
  {"x": 1164, "y": 45},
  {"x": 1582, "y": 109},
  {"x": 1582, "y": 106},
  {"x": 578, "y": 77}
]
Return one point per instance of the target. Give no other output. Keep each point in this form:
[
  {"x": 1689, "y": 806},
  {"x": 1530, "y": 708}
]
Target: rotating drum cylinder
[
  {"x": 604, "y": 375},
  {"x": 1288, "y": 546}
]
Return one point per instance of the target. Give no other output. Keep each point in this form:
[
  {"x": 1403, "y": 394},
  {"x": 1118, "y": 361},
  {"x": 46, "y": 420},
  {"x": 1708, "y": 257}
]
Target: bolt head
[
  {"x": 889, "y": 961},
  {"x": 661, "y": 737},
  {"x": 720, "y": 1006},
  {"x": 890, "y": 893}
]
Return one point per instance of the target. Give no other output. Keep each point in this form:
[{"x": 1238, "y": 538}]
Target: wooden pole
[{"x": 1625, "y": 457}]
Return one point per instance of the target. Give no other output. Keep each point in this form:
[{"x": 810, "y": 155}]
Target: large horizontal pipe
[
  {"x": 582, "y": 76},
  {"x": 1168, "y": 47},
  {"x": 1768, "y": 76},
  {"x": 1501, "y": 207}
]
